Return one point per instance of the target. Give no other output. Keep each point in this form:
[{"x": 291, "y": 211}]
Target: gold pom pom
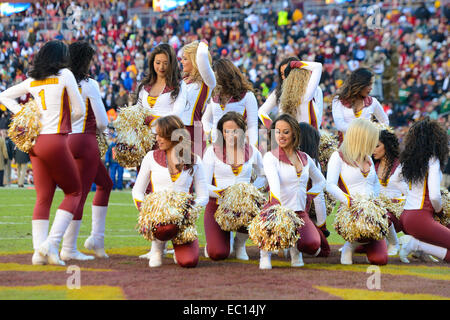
[
  {"x": 444, "y": 219},
  {"x": 394, "y": 207},
  {"x": 382, "y": 126},
  {"x": 365, "y": 219},
  {"x": 26, "y": 126},
  {"x": 275, "y": 228},
  {"x": 328, "y": 144},
  {"x": 134, "y": 137},
  {"x": 102, "y": 143},
  {"x": 240, "y": 203},
  {"x": 169, "y": 207}
]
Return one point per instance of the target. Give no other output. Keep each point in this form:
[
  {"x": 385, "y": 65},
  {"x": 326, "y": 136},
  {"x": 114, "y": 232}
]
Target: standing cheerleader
[
  {"x": 84, "y": 147},
  {"x": 423, "y": 158},
  {"x": 388, "y": 170},
  {"x": 298, "y": 93},
  {"x": 55, "y": 90},
  {"x": 351, "y": 171},
  {"x": 232, "y": 93},
  {"x": 288, "y": 171},
  {"x": 198, "y": 82},
  {"x": 353, "y": 101},
  {"x": 166, "y": 169},
  {"x": 229, "y": 161},
  {"x": 309, "y": 144},
  {"x": 160, "y": 87}
]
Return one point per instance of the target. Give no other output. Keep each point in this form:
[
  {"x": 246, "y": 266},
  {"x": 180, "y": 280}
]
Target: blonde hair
[
  {"x": 293, "y": 90},
  {"x": 360, "y": 140},
  {"x": 190, "y": 50}
]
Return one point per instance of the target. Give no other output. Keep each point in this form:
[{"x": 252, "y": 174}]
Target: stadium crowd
[{"x": 408, "y": 51}]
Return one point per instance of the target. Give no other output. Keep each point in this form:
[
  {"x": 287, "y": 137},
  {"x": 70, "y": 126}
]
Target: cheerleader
[
  {"x": 232, "y": 93},
  {"x": 298, "y": 93},
  {"x": 84, "y": 147},
  {"x": 388, "y": 169},
  {"x": 160, "y": 87},
  {"x": 423, "y": 158},
  {"x": 309, "y": 144},
  {"x": 288, "y": 171},
  {"x": 351, "y": 171},
  {"x": 229, "y": 161},
  {"x": 353, "y": 101},
  {"x": 164, "y": 169},
  {"x": 198, "y": 82},
  {"x": 55, "y": 90}
]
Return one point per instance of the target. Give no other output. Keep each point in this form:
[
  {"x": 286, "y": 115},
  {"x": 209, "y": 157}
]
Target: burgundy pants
[
  {"x": 421, "y": 225},
  {"x": 310, "y": 240},
  {"x": 394, "y": 220},
  {"x": 54, "y": 165},
  {"x": 104, "y": 185},
  {"x": 186, "y": 254},
  {"x": 217, "y": 240},
  {"x": 325, "y": 249},
  {"x": 84, "y": 148}
]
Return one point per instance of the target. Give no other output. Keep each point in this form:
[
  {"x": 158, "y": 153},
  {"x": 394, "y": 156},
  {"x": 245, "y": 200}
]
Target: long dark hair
[
  {"x": 353, "y": 84},
  {"x": 309, "y": 140},
  {"x": 50, "y": 59},
  {"x": 230, "y": 80},
  {"x": 81, "y": 53},
  {"x": 391, "y": 149},
  {"x": 424, "y": 140},
  {"x": 173, "y": 73},
  {"x": 294, "y": 126},
  {"x": 280, "y": 79}
]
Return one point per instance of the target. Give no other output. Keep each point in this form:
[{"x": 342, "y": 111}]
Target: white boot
[
  {"x": 392, "y": 240},
  {"x": 96, "y": 240},
  {"x": 168, "y": 251},
  {"x": 231, "y": 243},
  {"x": 239, "y": 245},
  {"x": 296, "y": 257},
  {"x": 347, "y": 252},
  {"x": 409, "y": 244},
  {"x": 49, "y": 248},
  {"x": 40, "y": 232},
  {"x": 156, "y": 253},
  {"x": 205, "y": 252},
  {"x": 145, "y": 256},
  {"x": 264, "y": 259},
  {"x": 69, "y": 249}
]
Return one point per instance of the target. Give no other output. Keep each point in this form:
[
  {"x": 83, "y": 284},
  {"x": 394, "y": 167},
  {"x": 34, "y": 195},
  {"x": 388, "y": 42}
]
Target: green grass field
[{"x": 16, "y": 208}]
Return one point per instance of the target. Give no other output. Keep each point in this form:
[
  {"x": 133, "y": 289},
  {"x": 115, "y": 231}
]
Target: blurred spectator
[
  {"x": 115, "y": 169},
  {"x": 21, "y": 159},
  {"x": 3, "y": 157}
]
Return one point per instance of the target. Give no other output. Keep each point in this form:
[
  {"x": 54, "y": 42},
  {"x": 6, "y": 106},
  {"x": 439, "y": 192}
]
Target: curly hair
[
  {"x": 293, "y": 90},
  {"x": 81, "y": 53},
  {"x": 425, "y": 139},
  {"x": 283, "y": 62},
  {"x": 353, "y": 84},
  {"x": 230, "y": 81},
  {"x": 392, "y": 151},
  {"x": 309, "y": 140},
  {"x": 50, "y": 59},
  {"x": 173, "y": 73}
]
